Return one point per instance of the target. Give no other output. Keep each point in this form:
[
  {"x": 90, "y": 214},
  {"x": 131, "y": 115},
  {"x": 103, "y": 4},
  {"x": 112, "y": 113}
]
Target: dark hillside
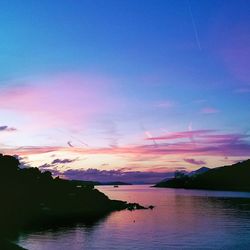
[
  {"x": 235, "y": 178},
  {"x": 30, "y": 198}
]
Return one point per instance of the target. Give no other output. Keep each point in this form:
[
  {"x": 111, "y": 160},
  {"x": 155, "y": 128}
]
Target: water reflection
[{"x": 182, "y": 219}]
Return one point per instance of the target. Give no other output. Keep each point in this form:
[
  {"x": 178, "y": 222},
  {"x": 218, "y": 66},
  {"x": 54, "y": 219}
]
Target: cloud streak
[
  {"x": 55, "y": 100},
  {"x": 195, "y": 162},
  {"x": 206, "y": 144},
  {"x": 63, "y": 161},
  {"x": 181, "y": 135}
]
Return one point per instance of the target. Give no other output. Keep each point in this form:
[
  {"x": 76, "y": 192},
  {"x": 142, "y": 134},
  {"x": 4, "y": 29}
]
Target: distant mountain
[
  {"x": 235, "y": 177},
  {"x": 199, "y": 171},
  {"x": 97, "y": 183}
]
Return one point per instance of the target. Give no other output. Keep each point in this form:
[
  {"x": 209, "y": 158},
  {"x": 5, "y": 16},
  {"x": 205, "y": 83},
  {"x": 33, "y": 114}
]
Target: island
[
  {"x": 235, "y": 177},
  {"x": 31, "y": 198}
]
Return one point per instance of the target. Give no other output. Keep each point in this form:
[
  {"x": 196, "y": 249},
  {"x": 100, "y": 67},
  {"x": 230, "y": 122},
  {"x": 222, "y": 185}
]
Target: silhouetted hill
[
  {"x": 32, "y": 198},
  {"x": 235, "y": 178}
]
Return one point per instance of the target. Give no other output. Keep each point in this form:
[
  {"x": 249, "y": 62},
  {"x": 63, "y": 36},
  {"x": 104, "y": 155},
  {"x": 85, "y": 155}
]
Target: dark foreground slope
[
  {"x": 30, "y": 198},
  {"x": 234, "y": 178}
]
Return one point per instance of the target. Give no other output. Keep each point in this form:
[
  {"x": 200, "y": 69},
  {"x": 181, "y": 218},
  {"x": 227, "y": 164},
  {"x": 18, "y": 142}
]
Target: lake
[{"x": 182, "y": 219}]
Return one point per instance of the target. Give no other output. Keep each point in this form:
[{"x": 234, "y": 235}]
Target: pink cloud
[
  {"x": 239, "y": 147},
  {"x": 222, "y": 138},
  {"x": 180, "y": 135},
  {"x": 62, "y": 99},
  {"x": 207, "y": 143}
]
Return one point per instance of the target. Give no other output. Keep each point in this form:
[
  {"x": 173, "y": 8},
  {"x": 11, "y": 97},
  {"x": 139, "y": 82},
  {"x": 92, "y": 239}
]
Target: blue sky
[{"x": 118, "y": 74}]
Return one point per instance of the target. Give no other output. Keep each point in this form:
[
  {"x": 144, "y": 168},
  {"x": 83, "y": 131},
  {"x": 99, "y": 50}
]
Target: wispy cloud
[
  {"x": 206, "y": 144},
  {"x": 181, "y": 135},
  {"x": 63, "y": 161},
  {"x": 56, "y": 100},
  {"x": 223, "y": 138},
  {"x": 195, "y": 162}
]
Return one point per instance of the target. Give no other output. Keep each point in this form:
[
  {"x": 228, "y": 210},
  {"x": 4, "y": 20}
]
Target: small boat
[{"x": 116, "y": 186}]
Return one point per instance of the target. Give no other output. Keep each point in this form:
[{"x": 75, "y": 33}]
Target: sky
[{"x": 125, "y": 90}]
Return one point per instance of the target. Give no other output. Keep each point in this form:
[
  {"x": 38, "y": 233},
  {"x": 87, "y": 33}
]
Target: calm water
[{"x": 182, "y": 219}]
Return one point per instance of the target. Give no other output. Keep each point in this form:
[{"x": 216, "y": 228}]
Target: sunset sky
[{"x": 125, "y": 89}]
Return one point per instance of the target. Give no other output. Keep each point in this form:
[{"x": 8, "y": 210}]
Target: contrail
[
  {"x": 148, "y": 134},
  {"x": 194, "y": 25},
  {"x": 83, "y": 143}
]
